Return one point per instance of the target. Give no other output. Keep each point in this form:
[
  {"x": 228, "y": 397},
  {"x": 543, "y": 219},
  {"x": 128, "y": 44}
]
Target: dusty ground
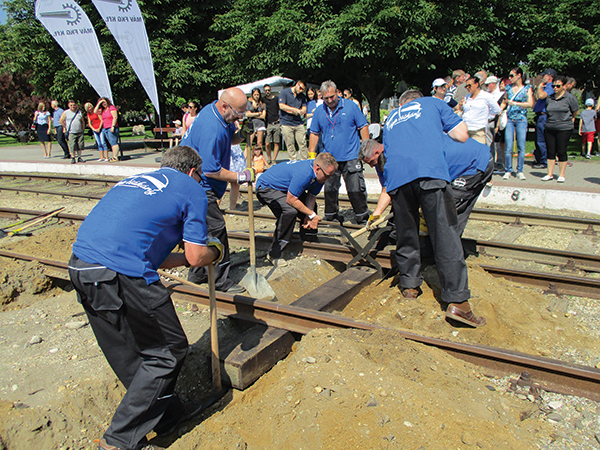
[{"x": 337, "y": 390}]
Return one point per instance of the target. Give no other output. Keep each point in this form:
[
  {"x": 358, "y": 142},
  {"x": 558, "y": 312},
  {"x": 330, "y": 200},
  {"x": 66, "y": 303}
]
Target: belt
[{"x": 273, "y": 123}]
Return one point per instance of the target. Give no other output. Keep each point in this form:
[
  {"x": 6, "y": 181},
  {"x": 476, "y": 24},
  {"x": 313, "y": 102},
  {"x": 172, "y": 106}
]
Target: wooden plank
[
  {"x": 581, "y": 243},
  {"x": 261, "y": 347},
  {"x": 509, "y": 234}
]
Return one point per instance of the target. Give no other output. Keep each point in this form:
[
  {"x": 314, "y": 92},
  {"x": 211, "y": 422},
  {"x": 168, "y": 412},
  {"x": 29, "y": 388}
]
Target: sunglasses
[
  {"x": 557, "y": 85},
  {"x": 327, "y": 175}
]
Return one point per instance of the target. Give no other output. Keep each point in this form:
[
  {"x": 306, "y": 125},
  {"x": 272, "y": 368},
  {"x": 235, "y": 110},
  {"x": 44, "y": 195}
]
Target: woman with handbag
[
  {"x": 41, "y": 120},
  {"x": 519, "y": 97}
]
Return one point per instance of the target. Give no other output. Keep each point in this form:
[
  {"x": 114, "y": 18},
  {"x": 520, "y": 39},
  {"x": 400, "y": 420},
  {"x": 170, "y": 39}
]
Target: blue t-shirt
[
  {"x": 311, "y": 106},
  {"x": 287, "y": 98},
  {"x": 340, "y": 129},
  {"x": 56, "y": 117},
  {"x": 140, "y": 220},
  {"x": 210, "y": 136},
  {"x": 540, "y": 105},
  {"x": 294, "y": 177},
  {"x": 413, "y": 141},
  {"x": 466, "y": 158}
]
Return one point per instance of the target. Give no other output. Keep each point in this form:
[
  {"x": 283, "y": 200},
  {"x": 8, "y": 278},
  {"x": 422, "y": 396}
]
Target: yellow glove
[
  {"x": 216, "y": 243},
  {"x": 372, "y": 218},
  {"x": 246, "y": 176}
]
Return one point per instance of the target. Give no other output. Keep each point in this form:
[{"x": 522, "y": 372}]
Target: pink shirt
[{"x": 107, "y": 117}]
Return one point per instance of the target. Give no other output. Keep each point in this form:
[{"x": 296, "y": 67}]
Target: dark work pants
[
  {"x": 436, "y": 201},
  {"x": 466, "y": 190},
  {"x": 540, "y": 154},
  {"x": 286, "y": 218},
  {"x": 62, "y": 141},
  {"x": 352, "y": 171},
  {"x": 215, "y": 223},
  {"x": 141, "y": 337}
]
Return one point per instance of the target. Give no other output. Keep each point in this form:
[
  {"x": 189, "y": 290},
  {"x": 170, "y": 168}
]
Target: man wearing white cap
[{"x": 440, "y": 87}]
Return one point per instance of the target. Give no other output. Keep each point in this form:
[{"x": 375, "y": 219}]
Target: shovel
[
  {"x": 256, "y": 284},
  {"x": 29, "y": 223}
]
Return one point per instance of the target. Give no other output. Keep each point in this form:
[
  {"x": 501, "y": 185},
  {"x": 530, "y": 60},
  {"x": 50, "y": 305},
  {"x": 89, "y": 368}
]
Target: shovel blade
[{"x": 258, "y": 286}]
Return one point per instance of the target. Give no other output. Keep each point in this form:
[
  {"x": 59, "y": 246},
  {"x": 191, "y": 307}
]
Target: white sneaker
[
  {"x": 506, "y": 176},
  {"x": 520, "y": 176},
  {"x": 560, "y": 179},
  {"x": 548, "y": 178}
]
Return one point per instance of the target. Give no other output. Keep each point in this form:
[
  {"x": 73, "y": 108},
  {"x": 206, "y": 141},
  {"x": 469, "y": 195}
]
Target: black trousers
[
  {"x": 62, "y": 141},
  {"x": 286, "y": 218},
  {"x": 352, "y": 171},
  {"x": 436, "y": 200},
  {"x": 215, "y": 223},
  {"x": 466, "y": 190},
  {"x": 140, "y": 335}
]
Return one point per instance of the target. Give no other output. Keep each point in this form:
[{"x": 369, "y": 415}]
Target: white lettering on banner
[
  {"x": 110, "y": 19},
  {"x": 122, "y": 19}
]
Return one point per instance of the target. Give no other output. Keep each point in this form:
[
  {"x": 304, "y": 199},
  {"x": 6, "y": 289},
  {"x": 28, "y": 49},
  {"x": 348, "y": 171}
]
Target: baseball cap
[
  {"x": 589, "y": 102},
  {"x": 550, "y": 72},
  {"x": 438, "y": 82},
  {"x": 491, "y": 79},
  {"x": 177, "y": 122}
]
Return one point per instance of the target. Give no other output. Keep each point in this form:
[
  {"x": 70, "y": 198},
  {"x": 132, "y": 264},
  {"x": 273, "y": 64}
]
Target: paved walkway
[{"x": 580, "y": 192}]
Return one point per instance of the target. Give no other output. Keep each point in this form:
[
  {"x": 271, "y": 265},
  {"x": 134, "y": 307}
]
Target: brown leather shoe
[
  {"x": 456, "y": 312},
  {"x": 411, "y": 293},
  {"x": 102, "y": 445}
]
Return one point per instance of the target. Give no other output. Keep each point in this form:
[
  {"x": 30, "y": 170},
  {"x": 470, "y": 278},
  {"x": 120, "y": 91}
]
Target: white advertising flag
[
  {"x": 70, "y": 26},
  {"x": 124, "y": 20}
]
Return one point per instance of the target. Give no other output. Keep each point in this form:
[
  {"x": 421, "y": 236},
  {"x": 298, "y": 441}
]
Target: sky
[{"x": 2, "y": 13}]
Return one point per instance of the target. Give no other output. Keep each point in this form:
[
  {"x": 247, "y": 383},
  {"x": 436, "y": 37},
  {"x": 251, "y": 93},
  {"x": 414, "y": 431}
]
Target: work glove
[
  {"x": 372, "y": 218},
  {"x": 215, "y": 242},
  {"x": 247, "y": 176}
]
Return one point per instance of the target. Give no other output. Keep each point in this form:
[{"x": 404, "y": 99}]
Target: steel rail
[
  {"x": 550, "y": 282},
  {"x": 587, "y": 225},
  {"x": 43, "y": 192},
  {"x": 552, "y": 375}
]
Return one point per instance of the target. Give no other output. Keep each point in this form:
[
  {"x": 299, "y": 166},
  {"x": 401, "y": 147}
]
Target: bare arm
[
  {"x": 460, "y": 133},
  {"x": 291, "y": 110},
  {"x": 383, "y": 202},
  {"x": 542, "y": 94},
  {"x": 195, "y": 255},
  {"x": 306, "y": 209},
  {"x": 313, "y": 140},
  {"x": 115, "y": 119},
  {"x": 63, "y": 120},
  {"x": 224, "y": 175},
  {"x": 364, "y": 133}
]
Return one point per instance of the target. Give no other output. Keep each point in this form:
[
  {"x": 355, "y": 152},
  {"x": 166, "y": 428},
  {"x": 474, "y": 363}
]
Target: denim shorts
[{"x": 111, "y": 138}]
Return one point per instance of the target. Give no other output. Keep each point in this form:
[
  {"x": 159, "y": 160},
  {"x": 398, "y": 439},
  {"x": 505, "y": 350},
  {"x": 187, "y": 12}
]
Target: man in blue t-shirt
[
  {"x": 340, "y": 121},
  {"x": 416, "y": 174},
  {"x": 292, "y": 107},
  {"x": 212, "y": 134},
  {"x": 540, "y": 154},
  {"x": 290, "y": 190},
  {"x": 120, "y": 245}
]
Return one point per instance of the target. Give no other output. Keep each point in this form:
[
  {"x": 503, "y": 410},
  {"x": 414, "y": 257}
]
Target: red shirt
[{"x": 95, "y": 120}]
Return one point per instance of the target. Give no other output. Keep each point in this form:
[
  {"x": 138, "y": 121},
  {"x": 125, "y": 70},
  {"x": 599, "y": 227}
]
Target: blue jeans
[
  {"x": 520, "y": 126},
  {"x": 100, "y": 141},
  {"x": 541, "y": 150}
]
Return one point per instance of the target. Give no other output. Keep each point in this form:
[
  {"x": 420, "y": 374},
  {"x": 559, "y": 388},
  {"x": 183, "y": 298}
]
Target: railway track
[
  {"x": 558, "y": 283},
  {"x": 549, "y": 374},
  {"x": 585, "y": 225}
]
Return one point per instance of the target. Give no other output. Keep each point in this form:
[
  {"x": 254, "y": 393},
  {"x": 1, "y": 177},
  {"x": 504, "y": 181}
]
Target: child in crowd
[
  {"x": 587, "y": 128},
  {"x": 259, "y": 163},
  {"x": 177, "y": 134}
]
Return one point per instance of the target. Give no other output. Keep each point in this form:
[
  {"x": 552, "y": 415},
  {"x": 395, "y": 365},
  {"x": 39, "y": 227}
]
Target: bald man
[{"x": 212, "y": 134}]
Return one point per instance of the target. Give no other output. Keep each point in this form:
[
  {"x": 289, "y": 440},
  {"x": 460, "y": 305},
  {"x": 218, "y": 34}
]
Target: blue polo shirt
[
  {"x": 210, "y": 136},
  {"x": 413, "y": 141},
  {"x": 540, "y": 105},
  {"x": 340, "y": 129},
  {"x": 294, "y": 177},
  {"x": 287, "y": 98},
  {"x": 467, "y": 158},
  {"x": 140, "y": 220},
  {"x": 56, "y": 117}
]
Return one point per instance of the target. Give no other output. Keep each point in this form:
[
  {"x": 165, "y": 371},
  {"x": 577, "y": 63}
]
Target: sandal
[{"x": 113, "y": 159}]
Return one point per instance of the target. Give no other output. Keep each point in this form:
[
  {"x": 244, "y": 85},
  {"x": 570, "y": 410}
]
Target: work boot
[
  {"x": 461, "y": 312},
  {"x": 411, "y": 293}
]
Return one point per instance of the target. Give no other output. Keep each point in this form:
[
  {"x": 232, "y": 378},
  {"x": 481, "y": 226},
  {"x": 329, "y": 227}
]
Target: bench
[{"x": 159, "y": 140}]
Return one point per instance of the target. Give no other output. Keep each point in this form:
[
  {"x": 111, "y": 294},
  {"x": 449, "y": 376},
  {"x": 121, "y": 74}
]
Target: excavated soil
[{"x": 336, "y": 390}]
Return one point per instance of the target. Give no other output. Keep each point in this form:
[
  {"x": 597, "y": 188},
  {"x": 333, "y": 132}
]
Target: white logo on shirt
[
  {"x": 410, "y": 111},
  {"x": 149, "y": 184}
]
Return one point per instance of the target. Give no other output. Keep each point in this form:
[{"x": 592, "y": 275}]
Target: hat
[
  {"x": 589, "y": 102},
  {"x": 550, "y": 72},
  {"x": 177, "y": 122},
  {"x": 491, "y": 79},
  {"x": 439, "y": 82}
]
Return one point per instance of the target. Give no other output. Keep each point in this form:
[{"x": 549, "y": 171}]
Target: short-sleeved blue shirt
[
  {"x": 466, "y": 158},
  {"x": 287, "y": 98},
  {"x": 140, "y": 220},
  {"x": 540, "y": 104},
  {"x": 210, "y": 136},
  {"x": 56, "y": 117},
  {"x": 294, "y": 177},
  {"x": 339, "y": 128},
  {"x": 413, "y": 141}
]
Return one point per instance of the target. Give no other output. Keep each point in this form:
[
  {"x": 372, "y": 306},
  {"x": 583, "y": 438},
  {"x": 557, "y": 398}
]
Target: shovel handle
[
  {"x": 374, "y": 224},
  {"x": 36, "y": 221}
]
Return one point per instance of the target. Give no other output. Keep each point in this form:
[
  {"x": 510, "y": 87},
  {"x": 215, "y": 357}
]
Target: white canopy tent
[{"x": 277, "y": 83}]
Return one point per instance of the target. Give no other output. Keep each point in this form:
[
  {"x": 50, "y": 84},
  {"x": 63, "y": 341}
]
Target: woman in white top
[
  {"x": 477, "y": 107},
  {"x": 41, "y": 119}
]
